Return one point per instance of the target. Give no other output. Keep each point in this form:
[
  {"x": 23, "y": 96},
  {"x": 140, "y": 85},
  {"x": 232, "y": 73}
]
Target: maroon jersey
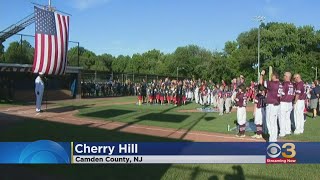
[
  {"x": 274, "y": 92},
  {"x": 287, "y": 92},
  {"x": 260, "y": 101},
  {"x": 220, "y": 94},
  {"x": 241, "y": 99},
  {"x": 300, "y": 90},
  {"x": 204, "y": 90},
  {"x": 228, "y": 94}
]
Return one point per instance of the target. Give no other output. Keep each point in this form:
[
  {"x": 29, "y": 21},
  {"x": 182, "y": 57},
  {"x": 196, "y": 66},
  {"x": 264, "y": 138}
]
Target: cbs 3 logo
[{"x": 287, "y": 150}]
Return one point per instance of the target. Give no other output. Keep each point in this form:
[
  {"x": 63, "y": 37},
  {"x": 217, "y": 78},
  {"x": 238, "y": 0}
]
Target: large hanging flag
[{"x": 51, "y": 42}]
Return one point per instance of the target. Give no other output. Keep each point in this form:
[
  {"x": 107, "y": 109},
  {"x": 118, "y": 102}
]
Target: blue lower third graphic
[{"x": 38, "y": 152}]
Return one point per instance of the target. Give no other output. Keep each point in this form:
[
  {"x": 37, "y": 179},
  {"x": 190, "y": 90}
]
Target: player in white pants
[
  {"x": 221, "y": 101},
  {"x": 228, "y": 100},
  {"x": 214, "y": 97},
  {"x": 299, "y": 105},
  {"x": 274, "y": 88},
  {"x": 241, "y": 102},
  {"x": 286, "y": 105},
  {"x": 259, "y": 112},
  {"x": 208, "y": 96},
  {"x": 196, "y": 94}
]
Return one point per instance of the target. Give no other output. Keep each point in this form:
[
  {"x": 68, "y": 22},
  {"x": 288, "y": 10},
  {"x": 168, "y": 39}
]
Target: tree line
[{"x": 284, "y": 46}]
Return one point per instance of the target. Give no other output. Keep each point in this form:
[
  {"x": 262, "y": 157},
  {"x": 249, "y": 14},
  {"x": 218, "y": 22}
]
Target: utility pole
[
  {"x": 177, "y": 74},
  {"x": 259, "y": 19},
  {"x": 316, "y": 69}
]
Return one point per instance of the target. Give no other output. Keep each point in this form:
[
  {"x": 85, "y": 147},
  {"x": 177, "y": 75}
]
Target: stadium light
[
  {"x": 316, "y": 68},
  {"x": 259, "y": 19}
]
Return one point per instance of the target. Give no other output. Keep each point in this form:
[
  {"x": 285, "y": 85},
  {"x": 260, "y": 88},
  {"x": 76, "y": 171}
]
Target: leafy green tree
[
  {"x": 19, "y": 53},
  {"x": 1, "y": 52}
]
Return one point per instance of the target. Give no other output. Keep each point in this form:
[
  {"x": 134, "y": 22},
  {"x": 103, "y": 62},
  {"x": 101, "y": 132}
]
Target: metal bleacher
[{"x": 16, "y": 28}]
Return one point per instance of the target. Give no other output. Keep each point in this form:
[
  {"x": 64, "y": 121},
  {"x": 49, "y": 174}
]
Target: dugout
[{"x": 17, "y": 83}]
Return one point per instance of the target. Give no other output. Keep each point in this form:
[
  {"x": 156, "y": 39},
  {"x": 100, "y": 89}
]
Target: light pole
[
  {"x": 259, "y": 19},
  {"x": 316, "y": 68}
]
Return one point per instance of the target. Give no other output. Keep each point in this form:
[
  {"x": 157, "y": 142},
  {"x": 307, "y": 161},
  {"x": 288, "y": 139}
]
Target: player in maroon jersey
[
  {"x": 221, "y": 98},
  {"x": 228, "y": 100},
  {"x": 299, "y": 104},
  {"x": 241, "y": 103},
  {"x": 139, "y": 94},
  {"x": 162, "y": 94},
  {"x": 259, "y": 112},
  {"x": 287, "y": 96},
  {"x": 274, "y": 89}
]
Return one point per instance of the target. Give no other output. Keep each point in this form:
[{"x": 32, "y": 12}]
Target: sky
[{"x": 136, "y": 26}]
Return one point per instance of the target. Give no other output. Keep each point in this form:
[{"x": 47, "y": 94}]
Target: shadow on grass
[
  {"x": 209, "y": 118},
  {"x": 68, "y": 108},
  {"x": 109, "y": 113},
  {"x": 177, "y": 118}
]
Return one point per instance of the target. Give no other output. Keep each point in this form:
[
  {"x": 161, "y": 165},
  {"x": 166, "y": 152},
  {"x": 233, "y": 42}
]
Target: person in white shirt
[{"x": 39, "y": 88}]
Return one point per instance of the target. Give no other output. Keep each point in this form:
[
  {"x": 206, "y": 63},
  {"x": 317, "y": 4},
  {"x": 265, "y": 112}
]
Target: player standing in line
[
  {"x": 196, "y": 94},
  {"x": 204, "y": 94},
  {"x": 228, "y": 101},
  {"x": 179, "y": 93},
  {"x": 299, "y": 104},
  {"x": 149, "y": 95},
  {"x": 139, "y": 92},
  {"x": 221, "y": 97},
  {"x": 162, "y": 93},
  {"x": 212, "y": 96},
  {"x": 287, "y": 96},
  {"x": 259, "y": 112},
  {"x": 184, "y": 95},
  {"x": 208, "y": 95},
  {"x": 241, "y": 102},
  {"x": 158, "y": 87},
  {"x": 154, "y": 93},
  {"x": 174, "y": 95},
  {"x": 274, "y": 89}
]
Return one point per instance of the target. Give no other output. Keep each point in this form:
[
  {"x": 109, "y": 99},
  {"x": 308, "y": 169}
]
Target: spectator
[{"x": 314, "y": 98}]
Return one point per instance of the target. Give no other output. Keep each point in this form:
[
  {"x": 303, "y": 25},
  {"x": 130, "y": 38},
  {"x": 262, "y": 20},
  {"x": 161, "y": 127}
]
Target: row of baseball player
[{"x": 274, "y": 103}]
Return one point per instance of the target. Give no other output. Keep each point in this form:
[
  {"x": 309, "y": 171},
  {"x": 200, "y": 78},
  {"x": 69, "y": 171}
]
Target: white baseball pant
[
  {"x": 221, "y": 105},
  {"x": 215, "y": 101},
  {"x": 272, "y": 113},
  {"x": 241, "y": 115},
  {"x": 228, "y": 104},
  {"x": 196, "y": 97},
  {"x": 204, "y": 100},
  {"x": 259, "y": 116},
  {"x": 284, "y": 119},
  {"x": 298, "y": 116}
]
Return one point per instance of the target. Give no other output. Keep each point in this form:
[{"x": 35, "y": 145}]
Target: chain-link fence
[{"x": 103, "y": 77}]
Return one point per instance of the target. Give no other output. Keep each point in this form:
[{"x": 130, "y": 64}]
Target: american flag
[{"x": 51, "y": 42}]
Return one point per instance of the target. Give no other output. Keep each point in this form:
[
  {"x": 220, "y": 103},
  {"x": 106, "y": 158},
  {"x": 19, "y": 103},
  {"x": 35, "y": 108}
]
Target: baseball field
[{"x": 120, "y": 119}]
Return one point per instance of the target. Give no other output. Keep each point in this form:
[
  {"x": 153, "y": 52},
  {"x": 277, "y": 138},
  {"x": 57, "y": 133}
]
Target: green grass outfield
[
  {"x": 170, "y": 117},
  {"x": 167, "y": 116}
]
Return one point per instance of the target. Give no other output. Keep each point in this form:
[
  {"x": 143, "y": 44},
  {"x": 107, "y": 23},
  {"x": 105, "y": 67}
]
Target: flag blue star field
[{"x": 51, "y": 42}]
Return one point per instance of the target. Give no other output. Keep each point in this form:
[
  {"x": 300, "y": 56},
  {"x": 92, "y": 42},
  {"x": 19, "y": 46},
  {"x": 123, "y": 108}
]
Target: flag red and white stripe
[{"x": 51, "y": 42}]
